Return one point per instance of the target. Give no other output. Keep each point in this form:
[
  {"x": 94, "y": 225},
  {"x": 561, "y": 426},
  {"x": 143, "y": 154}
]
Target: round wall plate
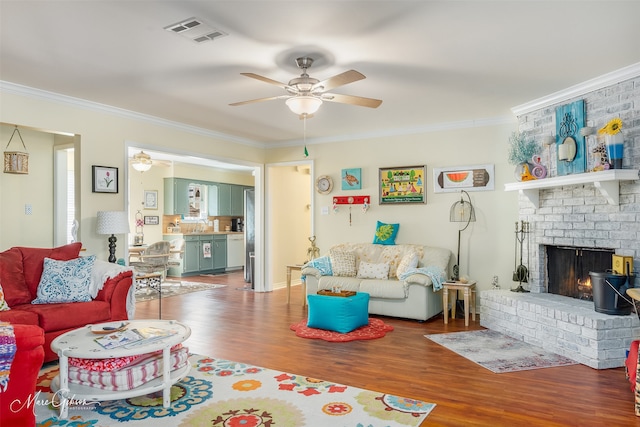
[{"x": 324, "y": 184}]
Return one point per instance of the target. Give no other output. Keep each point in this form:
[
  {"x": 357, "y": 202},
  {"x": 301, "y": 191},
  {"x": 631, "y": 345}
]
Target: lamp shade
[
  {"x": 304, "y": 104},
  {"x": 112, "y": 222}
]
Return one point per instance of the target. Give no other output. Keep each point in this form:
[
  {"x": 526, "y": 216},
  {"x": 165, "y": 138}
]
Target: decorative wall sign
[
  {"x": 570, "y": 145},
  {"x": 150, "y": 199},
  {"x": 104, "y": 179},
  {"x": 405, "y": 184},
  {"x": 468, "y": 178},
  {"x": 351, "y": 179},
  {"x": 151, "y": 220}
]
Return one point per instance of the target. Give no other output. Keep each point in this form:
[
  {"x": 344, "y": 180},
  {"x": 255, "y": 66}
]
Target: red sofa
[
  {"x": 17, "y": 401},
  {"x": 20, "y": 271}
]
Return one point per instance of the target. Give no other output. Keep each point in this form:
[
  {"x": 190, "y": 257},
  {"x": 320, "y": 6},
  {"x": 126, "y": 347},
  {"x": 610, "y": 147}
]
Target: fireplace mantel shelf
[{"x": 605, "y": 181}]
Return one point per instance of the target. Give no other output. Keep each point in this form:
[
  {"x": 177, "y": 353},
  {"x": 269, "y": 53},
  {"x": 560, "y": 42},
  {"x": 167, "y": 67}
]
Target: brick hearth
[{"x": 564, "y": 325}]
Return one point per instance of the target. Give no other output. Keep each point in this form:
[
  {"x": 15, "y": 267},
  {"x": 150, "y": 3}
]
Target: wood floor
[{"x": 236, "y": 324}]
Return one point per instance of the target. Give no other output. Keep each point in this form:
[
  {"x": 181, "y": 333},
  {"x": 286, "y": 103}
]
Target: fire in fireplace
[{"x": 568, "y": 269}]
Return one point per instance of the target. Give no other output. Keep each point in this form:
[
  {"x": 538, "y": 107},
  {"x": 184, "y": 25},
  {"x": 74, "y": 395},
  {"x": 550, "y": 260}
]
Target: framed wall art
[
  {"x": 104, "y": 179},
  {"x": 406, "y": 184},
  {"x": 351, "y": 179},
  {"x": 151, "y": 220},
  {"x": 468, "y": 178},
  {"x": 150, "y": 199}
]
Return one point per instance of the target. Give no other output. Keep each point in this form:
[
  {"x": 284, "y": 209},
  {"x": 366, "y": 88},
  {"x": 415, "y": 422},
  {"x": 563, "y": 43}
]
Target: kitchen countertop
[{"x": 203, "y": 233}]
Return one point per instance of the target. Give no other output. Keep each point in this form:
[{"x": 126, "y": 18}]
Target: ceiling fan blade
[
  {"x": 271, "y": 98},
  {"x": 339, "y": 80},
  {"x": 352, "y": 100},
  {"x": 266, "y": 80}
]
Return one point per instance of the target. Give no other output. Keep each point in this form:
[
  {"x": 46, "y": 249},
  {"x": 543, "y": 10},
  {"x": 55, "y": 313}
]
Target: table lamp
[
  {"x": 112, "y": 222},
  {"x": 461, "y": 211}
]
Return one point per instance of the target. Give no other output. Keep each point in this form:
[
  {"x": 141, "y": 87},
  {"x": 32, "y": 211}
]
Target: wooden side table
[
  {"x": 297, "y": 267},
  {"x": 469, "y": 296}
]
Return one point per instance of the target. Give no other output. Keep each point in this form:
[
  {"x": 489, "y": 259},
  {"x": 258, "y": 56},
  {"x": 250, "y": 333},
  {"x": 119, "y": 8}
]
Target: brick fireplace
[{"x": 575, "y": 212}]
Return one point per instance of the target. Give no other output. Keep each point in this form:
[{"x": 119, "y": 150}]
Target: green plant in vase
[{"x": 521, "y": 152}]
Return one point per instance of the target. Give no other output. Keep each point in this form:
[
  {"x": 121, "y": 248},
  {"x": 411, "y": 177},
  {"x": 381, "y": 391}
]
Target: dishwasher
[{"x": 235, "y": 251}]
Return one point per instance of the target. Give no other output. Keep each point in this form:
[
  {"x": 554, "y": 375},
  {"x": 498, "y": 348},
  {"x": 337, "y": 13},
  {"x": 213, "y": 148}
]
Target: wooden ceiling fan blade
[
  {"x": 252, "y": 101},
  {"x": 266, "y": 80},
  {"x": 352, "y": 100},
  {"x": 339, "y": 80}
]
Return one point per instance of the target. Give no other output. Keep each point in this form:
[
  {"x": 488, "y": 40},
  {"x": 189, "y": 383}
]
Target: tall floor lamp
[
  {"x": 461, "y": 211},
  {"x": 112, "y": 222}
]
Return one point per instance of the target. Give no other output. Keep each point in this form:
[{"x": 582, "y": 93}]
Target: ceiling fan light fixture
[
  {"x": 304, "y": 104},
  {"x": 141, "y": 162}
]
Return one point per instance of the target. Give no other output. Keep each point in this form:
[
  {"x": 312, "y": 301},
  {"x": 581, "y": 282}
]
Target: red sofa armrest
[
  {"x": 115, "y": 291},
  {"x": 16, "y": 402}
]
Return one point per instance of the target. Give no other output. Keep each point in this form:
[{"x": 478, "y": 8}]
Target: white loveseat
[{"x": 413, "y": 297}]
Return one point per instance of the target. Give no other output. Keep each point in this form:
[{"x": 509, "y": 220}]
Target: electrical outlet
[{"x": 28, "y": 209}]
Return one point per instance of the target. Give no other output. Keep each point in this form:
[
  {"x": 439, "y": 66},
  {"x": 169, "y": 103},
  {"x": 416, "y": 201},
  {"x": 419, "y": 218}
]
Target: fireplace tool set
[{"x": 520, "y": 273}]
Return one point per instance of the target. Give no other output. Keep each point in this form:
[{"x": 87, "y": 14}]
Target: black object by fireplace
[{"x": 609, "y": 292}]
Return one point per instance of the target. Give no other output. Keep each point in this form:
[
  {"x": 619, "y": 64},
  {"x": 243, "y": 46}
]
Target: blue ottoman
[{"x": 340, "y": 314}]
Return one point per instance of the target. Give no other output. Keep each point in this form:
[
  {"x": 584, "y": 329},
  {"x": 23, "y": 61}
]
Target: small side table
[
  {"x": 469, "y": 296},
  {"x": 297, "y": 267}
]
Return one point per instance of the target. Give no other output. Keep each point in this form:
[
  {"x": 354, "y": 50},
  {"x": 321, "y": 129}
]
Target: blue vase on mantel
[{"x": 615, "y": 150}]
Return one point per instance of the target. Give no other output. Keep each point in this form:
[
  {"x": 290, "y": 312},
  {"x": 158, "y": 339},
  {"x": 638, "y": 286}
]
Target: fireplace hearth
[{"x": 568, "y": 269}]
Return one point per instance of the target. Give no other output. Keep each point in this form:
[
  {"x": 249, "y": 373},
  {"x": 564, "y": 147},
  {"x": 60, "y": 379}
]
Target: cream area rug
[
  {"x": 497, "y": 352},
  {"x": 171, "y": 288}
]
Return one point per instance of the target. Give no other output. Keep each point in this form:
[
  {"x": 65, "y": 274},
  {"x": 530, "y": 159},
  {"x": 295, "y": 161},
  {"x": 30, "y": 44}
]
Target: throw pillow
[
  {"x": 410, "y": 260},
  {"x": 368, "y": 270},
  {"x": 3, "y": 304},
  {"x": 386, "y": 233},
  {"x": 322, "y": 264},
  {"x": 65, "y": 281},
  {"x": 343, "y": 263}
]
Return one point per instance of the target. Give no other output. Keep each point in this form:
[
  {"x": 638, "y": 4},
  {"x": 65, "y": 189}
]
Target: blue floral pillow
[
  {"x": 65, "y": 281},
  {"x": 322, "y": 264},
  {"x": 386, "y": 233}
]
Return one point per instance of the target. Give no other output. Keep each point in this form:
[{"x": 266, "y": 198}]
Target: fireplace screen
[{"x": 568, "y": 269}]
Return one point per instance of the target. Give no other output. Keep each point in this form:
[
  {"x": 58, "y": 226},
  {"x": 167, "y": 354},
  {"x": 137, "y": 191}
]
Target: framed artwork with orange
[{"x": 468, "y": 178}]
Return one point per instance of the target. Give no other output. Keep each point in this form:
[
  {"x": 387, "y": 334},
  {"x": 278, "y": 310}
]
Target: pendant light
[{"x": 141, "y": 162}]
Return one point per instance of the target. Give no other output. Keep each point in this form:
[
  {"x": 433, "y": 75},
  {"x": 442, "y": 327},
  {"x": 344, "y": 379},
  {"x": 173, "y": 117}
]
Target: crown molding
[
  {"x": 614, "y": 77},
  {"x": 30, "y": 92}
]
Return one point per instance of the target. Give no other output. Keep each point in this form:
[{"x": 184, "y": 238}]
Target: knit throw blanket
[{"x": 7, "y": 352}]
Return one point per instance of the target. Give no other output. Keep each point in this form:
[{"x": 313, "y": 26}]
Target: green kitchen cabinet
[
  {"x": 176, "y": 196},
  {"x": 206, "y": 252},
  {"x": 219, "y": 252},
  {"x": 191, "y": 259},
  {"x": 224, "y": 199},
  {"x": 237, "y": 200}
]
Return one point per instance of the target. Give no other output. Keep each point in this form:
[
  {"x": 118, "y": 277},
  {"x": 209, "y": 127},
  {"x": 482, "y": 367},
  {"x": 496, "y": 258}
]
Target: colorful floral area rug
[
  {"x": 499, "y": 353},
  {"x": 171, "y": 288},
  {"x": 227, "y": 394},
  {"x": 375, "y": 329}
]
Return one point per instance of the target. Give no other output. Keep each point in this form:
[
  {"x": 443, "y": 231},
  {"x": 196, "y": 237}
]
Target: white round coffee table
[{"x": 81, "y": 343}]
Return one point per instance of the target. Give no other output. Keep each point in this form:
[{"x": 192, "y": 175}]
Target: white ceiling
[{"x": 431, "y": 62}]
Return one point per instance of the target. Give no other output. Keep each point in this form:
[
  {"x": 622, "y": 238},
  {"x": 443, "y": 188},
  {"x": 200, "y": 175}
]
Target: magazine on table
[
  {"x": 135, "y": 336},
  {"x": 118, "y": 339}
]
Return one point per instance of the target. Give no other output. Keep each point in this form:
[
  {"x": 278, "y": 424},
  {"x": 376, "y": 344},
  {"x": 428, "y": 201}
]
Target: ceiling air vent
[{"x": 196, "y": 30}]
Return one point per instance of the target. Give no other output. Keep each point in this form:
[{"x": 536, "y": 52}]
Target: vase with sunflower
[{"x": 614, "y": 141}]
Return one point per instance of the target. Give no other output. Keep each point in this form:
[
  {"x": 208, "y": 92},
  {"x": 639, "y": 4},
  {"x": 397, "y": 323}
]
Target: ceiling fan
[
  {"x": 142, "y": 162},
  {"x": 305, "y": 94}
]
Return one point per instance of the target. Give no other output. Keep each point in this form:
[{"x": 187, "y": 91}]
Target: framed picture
[
  {"x": 104, "y": 179},
  {"x": 351, "y": 179},
  {"x": 468, "y": 178},
  {"x": 151, "y": 220},
  {"x": 405, "y": 184},
  {"x": 150, "y": 199}
]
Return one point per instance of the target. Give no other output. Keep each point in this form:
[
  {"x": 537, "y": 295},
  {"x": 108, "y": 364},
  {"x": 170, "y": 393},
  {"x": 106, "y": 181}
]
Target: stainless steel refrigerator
[{"x": 249, "y": 235}]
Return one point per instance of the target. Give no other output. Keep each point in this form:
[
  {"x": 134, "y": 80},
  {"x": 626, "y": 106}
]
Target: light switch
[
  {"x": 324, "y": 210},
  {"x": 28, "y": 210}
]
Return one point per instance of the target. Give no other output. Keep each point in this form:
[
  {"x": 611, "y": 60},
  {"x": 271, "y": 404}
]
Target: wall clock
[{"x": 324, "y": 184}]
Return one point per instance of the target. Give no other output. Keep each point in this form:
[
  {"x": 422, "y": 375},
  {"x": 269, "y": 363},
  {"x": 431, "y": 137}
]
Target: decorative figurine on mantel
[{"x": 313, "y": 251}]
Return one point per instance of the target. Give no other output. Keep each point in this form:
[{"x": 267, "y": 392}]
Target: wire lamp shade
[
  {"x": 461, "y": 211},
  {"x": 112, "y": 222}
]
